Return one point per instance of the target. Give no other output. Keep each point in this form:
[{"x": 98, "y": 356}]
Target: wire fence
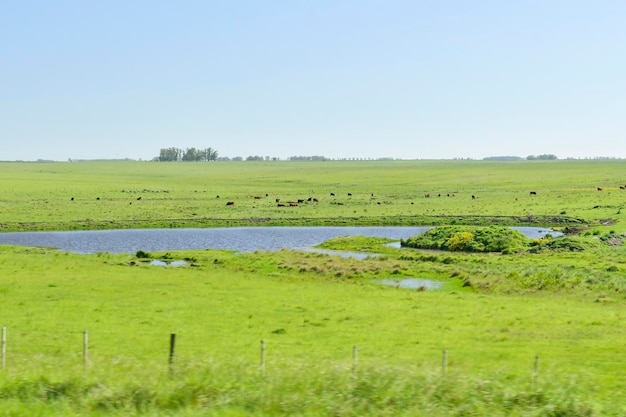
[{"x": 533, "y": 365}]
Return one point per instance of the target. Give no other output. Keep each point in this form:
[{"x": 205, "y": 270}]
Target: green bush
[
  {"x": 564, "y": 244},
  {"x": 470, "y": 239},
  {"x": 142, "y": 255}
]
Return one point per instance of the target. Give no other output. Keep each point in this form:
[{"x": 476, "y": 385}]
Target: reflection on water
[
  {"x": 245, "y": 239},
  {"x": 411, "y": 283},
  {"x": 159, "y": 262}
]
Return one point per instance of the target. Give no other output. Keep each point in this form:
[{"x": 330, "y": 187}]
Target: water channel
[{"x": 245, "y": 239}]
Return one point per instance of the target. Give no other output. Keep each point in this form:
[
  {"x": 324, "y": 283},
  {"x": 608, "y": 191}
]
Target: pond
[
  {"x": 411, "y": 283},
  {"x": 245, "y": 239},
  {"x": 160, "y": 262}
]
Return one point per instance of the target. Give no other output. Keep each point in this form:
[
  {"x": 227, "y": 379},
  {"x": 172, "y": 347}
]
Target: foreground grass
[
  {"x": 310, "y": 310},
  {"x": 207, "y": 389}
]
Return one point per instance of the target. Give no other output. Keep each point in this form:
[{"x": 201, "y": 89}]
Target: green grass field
[
  {"x": 493, "y": 316},
  {"x": 37, "y": 196}
]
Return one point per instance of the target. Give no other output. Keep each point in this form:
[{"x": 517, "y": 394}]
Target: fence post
[
  {"x": 444, "y": 364},
  {"x": 536, "y": 372},
  {"x": 85, "y": 347},
  {"x": 4, "y": 347},
  {"x": 172, "y": 350},
  {"x": 355, "y": 354},
  {"x": 262, "y": 356}
]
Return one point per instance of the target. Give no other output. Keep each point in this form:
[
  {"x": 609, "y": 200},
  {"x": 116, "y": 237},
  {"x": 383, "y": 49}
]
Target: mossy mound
[{"x": 470, "y": 239}]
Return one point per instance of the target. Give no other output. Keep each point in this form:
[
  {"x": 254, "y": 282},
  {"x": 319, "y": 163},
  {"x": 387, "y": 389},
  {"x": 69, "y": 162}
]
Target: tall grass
[{"x": 196, "y": 389}]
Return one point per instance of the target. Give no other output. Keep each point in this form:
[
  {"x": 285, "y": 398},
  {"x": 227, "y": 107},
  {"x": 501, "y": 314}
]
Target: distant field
[
  {"x": 525, "y": 334},
  {"x": 38, "y": 196}
]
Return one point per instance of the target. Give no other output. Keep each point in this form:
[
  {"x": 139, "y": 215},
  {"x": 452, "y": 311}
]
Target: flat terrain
[
  {"x": 90, "y": 195},
  {"x": 525, "y": 334}
]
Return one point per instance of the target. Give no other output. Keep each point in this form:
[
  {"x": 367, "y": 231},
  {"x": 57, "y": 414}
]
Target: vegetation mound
[
  {"x": 470, "y": 239},
  {"x": 564, "y": 244}
]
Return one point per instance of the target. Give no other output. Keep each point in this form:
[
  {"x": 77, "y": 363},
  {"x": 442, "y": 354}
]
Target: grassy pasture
[
  {"x": 493, "y": 315},
  {"x": 37, "y": 196}
]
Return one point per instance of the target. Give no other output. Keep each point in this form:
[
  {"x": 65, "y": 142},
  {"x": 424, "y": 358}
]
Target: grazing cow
[
  {"x": 332, "y": 194},
  {"x": 315, "y": 200},
  {"x": 293, "y": 204},
  {"x": 349, "y": 194},
  {"x": 97, "y": 198},
  {"x": 138, "y": 198},
  {"x": 300, "y": 200},
  {"x": 621, "y": 187},
  {"x": 72, "y": 199},
  {"x": 277, "y": 200},
  {"x": 600, "y": 188},
  {"x": 230, "y": 203},
  {"x": 340, "y": 204},
  {"x": 280, "y": 205},
  {"x": 533, "y": 193},
  {"x": 427, "y": 196},
  {"x": 217, "y": 196},
  {"x": 257, "y": 197},
  {"x": 473, "y": 197}
]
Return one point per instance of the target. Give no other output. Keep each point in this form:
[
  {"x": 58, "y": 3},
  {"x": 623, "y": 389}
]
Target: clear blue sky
[{"x": 343, "y": 78}]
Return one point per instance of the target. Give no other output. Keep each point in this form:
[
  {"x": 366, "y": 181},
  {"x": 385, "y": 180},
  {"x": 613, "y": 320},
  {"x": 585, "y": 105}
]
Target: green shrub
[
  {"x": 142, "y": 255},
  {"x": 470, "y": 239},
  {"x": 564, "y": 244}
]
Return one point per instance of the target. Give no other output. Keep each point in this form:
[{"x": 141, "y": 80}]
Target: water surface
[
  {"x": 411, "y": 283},
  {"x": 245, "y": 239}
]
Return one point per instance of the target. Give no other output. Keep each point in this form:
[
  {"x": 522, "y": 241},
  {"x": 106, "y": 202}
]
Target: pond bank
[{"x": 469, "y": 220}]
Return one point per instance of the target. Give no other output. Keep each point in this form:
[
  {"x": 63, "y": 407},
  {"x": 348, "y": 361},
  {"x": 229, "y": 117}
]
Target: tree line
[
  {"x": 544, "y": 157},
  {"x": 189, "y": 154}
]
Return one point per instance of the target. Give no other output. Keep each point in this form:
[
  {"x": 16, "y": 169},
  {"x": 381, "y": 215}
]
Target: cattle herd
[{"x": 299, "y": 201}]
